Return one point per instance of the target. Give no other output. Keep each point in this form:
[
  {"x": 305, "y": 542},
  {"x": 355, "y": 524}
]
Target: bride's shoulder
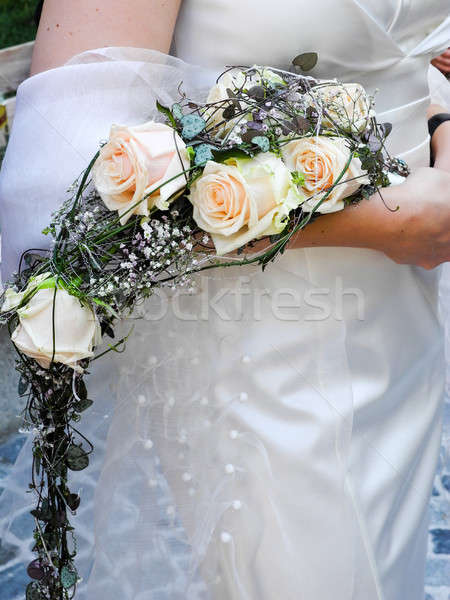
[{"x": 68, "y": 28}]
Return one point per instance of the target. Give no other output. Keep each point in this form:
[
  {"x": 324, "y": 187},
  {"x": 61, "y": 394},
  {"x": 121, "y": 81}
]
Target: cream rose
[
  {"x": 243, "y": 200},
  {"x": 232, "y": 79},
  {"x": 135, "y": 161},
  {"x": 77, "y": 329},
  {"x": 321, "y": 160},
  {"x": 13, "y": 299},
  {"x": 347, "y": 104}
]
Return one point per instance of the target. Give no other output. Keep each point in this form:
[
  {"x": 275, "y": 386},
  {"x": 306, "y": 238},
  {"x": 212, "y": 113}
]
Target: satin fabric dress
[{"x": 294, "y": 416}]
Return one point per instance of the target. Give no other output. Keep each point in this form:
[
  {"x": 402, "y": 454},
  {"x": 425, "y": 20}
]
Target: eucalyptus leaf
[
  {"x": 177, "y": 111},
  {"x": 81, "y": 389},
  {"x": 23, "y": 386},
  {"x": 257, "y": 91},
  {"x": 192, "y": 126},
  {"x": 107, "y": 329},
  {"x": 233, "y": 97},
  {"x": 83, "y": 404},
  {"x": 68, "y": 577},
  {"x": 302, "y": 125},
  {"x": 229, "y": 112},
  {"x": 45, "y": 514},
  {"x": 33, "y": 592},
  {"x": 73, "y": 501},
  {"x": 77, "y": 459},
  {"x": 203, "y": 153},
  {"x": 35, "y": 570},
  {"x": 249, "y": 135},
  {"x": 306, "y": 61},
  {"x": 386, "y": 128},
  {"x": 262, "y": 142}
]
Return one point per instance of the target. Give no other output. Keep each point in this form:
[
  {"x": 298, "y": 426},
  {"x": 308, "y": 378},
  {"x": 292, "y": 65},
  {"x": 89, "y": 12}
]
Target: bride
[{"x": 268, "y": 435}]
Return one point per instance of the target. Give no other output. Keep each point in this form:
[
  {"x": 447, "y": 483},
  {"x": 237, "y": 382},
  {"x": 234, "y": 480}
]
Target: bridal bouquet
[{"x": 229, "y": 181}]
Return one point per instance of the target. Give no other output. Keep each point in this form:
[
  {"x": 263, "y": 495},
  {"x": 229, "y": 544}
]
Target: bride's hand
[
  {"x": 419, "y": 231},
  {"x": 410, "y": 223}
]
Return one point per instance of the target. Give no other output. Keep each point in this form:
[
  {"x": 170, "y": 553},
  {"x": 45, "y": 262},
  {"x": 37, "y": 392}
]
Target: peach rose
[
  {"x": 321, "y": 160},
  {"x": 135, "y": 161},
  {"x": 243, "y": 200}
]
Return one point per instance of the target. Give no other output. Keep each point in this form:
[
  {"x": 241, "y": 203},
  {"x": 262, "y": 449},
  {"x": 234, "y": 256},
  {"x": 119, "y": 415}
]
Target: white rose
[
  {"x": 346, "y": 103},
  {"x": 243, "y": 200},
  {"x": 12, "y": 299},
  {"x": 232, "y": 79},
  {"x": 135, "y": 161},
  {"x": 321, "y": 160},
  {"x": 77, "y": 329}
]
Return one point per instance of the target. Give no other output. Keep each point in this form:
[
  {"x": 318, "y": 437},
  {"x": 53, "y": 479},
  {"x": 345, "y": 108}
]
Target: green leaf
[
  {"x": 298, "y": 178},
  {"x": 306, "y": 61},
  {"x": 167, "y": 112},
  {"x": 191, "y": 152},
  {"x": 223, "y": 155},
  {"x": 77, "y": 459}
]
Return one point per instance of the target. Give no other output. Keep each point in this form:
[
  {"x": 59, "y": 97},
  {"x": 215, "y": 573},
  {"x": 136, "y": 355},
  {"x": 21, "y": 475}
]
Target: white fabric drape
[{"x": 246, "y": 447}]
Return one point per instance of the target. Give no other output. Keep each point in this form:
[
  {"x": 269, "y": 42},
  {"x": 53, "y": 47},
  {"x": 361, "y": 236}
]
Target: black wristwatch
[{"x": 433, "y": 124}]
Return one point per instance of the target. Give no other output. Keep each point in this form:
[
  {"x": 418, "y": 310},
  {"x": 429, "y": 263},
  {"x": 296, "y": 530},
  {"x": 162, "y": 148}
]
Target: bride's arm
[
  {"x": 72, "y": 26},
  {"x": 418, "y": 233}
]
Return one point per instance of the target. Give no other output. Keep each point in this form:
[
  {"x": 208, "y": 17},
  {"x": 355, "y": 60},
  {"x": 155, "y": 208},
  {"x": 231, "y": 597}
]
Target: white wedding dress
[{"x": 271, "y": 435}]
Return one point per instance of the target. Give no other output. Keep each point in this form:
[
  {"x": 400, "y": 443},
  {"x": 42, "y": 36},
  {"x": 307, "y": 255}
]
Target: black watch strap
[{"x": 433, "y": 124}]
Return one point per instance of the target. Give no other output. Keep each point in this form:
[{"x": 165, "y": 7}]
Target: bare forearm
[
  {"x": 68, "y": 27},
  {"x": 361, "y": 225}
]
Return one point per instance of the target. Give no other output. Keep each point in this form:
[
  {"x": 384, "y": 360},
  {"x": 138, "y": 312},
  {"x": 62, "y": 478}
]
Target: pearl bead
[
  {"x": 236, "y": 504},
  {"x": 186, "y": 476},
  {"x": 229, "y": 468},
  {"x": 148, "y": 444},
  {"x": 246, "y": 359},
  {"x": 243, "y": 396},
  {"x": 195, "y": 360},
  {"x": 142, "y": 399},
  {"x": 225, "y": 537},
  {"x": 204, "y": 401},
  {"x": 170, "y": 510},
  {"x": 152, "y": 483},
  {"x": 233, "y": 434},
  {"x": 191, "y": 491},
  {"x": 152, "y": 360},
  {"x": 171, "y": 401}
]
